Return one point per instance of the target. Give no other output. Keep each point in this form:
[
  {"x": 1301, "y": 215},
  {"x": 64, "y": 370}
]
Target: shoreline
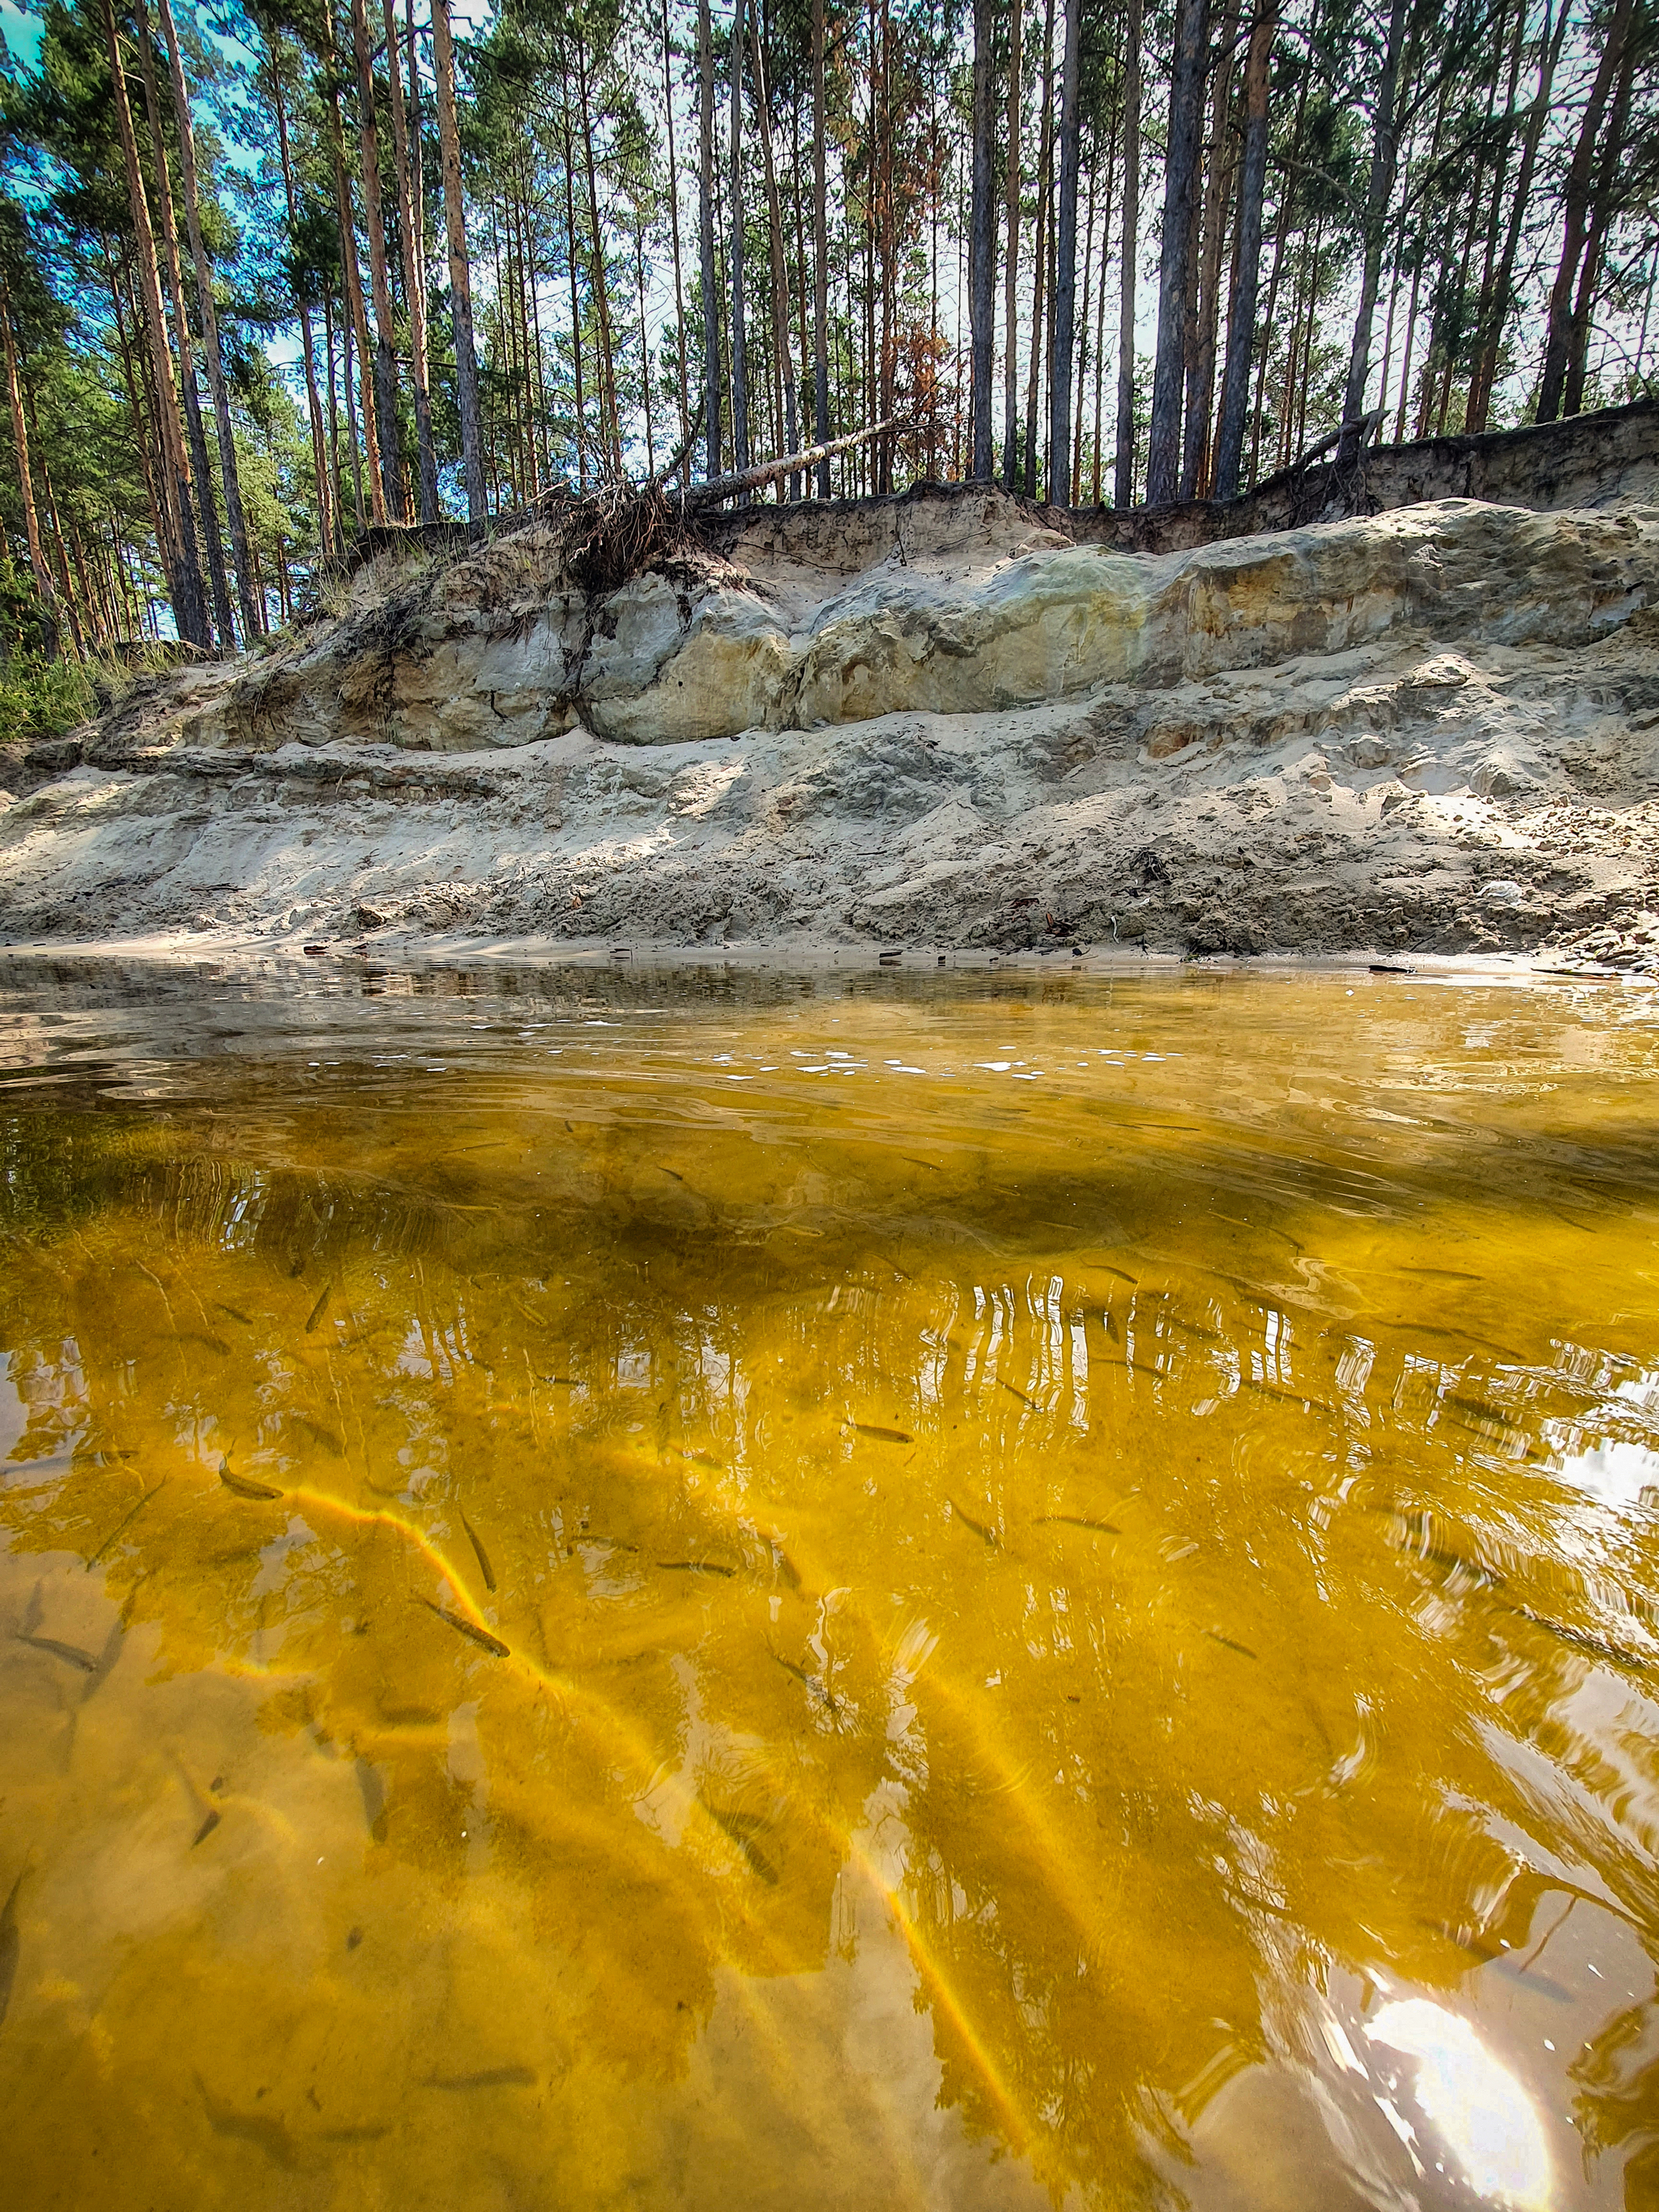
[{"x": 247, "y": 954}]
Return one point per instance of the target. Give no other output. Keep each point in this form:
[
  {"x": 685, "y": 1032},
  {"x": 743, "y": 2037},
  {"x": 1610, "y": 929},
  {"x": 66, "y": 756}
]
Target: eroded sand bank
[{"x": 932, "y": 722}]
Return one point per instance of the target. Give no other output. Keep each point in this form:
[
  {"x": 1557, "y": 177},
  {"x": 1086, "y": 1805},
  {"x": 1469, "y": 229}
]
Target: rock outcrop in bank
[{"x": 940, "y": 721}]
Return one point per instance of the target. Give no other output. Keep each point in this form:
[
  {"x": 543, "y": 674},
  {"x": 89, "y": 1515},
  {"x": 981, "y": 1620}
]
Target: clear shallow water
[{"x": 672, "y": 1589}]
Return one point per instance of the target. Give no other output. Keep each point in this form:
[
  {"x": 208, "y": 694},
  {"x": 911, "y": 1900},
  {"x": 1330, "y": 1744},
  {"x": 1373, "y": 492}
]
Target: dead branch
[{"x": 672, "y": 467}]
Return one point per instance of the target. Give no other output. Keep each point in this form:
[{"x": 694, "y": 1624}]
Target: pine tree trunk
[
  {"x": 460, "y": 284},
  {"x": 230, "y": 473},
  {"x": 166, "y": 216},
  {"x": 707, "y": 275},
  {"x": 1500, "y": 167},
  {"x": 357, "y": 319},
  {"x": 1241, "y": 318},
  {"x": 1086, "y": 351},
  {"x": 1281, "y": 231},
  {"x": 185, "y": 580},
  {"x": 328, "y": 526},
  {"x": 645, "y": 348},
  {"x": 981, "y": 253},
  {"x": 145, "y": 436},
  {"x": 783, "y": 360},
  {"x": 20, "y": 436},
  {"x": 1181, "y": 168},
  {"x": 386, "y": 335},
  {"x": 1502, "y": 291},
  {"x": 1098, "y": 487},
  {"x": 1605, "y": 206},
  {"x": 734, "y": 273},
  {"x": 65, "y": 589},
  {"x": 1123, "y": 489},
  {"x": 679, "y": 278},
  {"x": 887, "y": 244},
  {"x": 412, "y": 238},
  {"x": 354, "y": 444},
  {"x": 609, "y": 414},
  {"x": 1197, "y": 453},
  {"x": 1385, "y": 149},
  {"x": 1059, "y": 384},
  {"x": 1042, "y": 259},
  {"x": 571, "y": 263},
  {"x": 1577, "y": 198},
  {"x": 820, "y": 253},
  {"x": 1010, "y": 257}
]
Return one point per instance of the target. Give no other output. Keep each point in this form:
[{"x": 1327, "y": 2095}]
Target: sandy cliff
[{"x": 934, "y": 721}]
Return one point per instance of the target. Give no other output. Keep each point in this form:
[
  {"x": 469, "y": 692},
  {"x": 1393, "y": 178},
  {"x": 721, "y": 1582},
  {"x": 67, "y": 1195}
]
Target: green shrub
[{"x": 41, "y": 699}]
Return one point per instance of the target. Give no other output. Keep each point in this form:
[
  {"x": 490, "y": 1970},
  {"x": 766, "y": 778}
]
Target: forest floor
[{"x": 1433, "y": 731}]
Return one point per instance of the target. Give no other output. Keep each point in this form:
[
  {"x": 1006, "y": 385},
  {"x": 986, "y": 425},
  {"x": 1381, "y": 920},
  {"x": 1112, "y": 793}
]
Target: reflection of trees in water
[{"x": 1234, "y": 1619}]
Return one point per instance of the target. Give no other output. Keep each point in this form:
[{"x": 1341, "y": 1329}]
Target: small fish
[
  {"x": 1020, "y": 1395},
  {"x": 1415, "y": 1545},
  {"x": 1595, "y": 1647},
  {"x": 883, "y": 1436},
  {"x": 111, "y": 1652},
  {"x": 1077, "y": 1521},
  {"x": 371, "y": 1785},
  {"x": 1477, "y": 1409},
  {"x": 1243, "y": 1649},
  {"x": 325, "y": 1437},
  {"x": 481, "y": 1637},
  {"x": 819, "y": 1689},
  {"x": 674, "y": 1172},
  {"x": 9, "y": 1944},
  {"x": 1193, "y": 1329},
  {"x": 271, "y": 2135},
  {"x": 696, "y": 1458},
  {"x": 243, "y": 1487},
  {"x": 488, "y": 2077},
  {"x": 215, "y": 1344},
  {"x": 1111, "y": 1325},
  {"x": 484, "y": 1567},
  {"x": 1480, "y": 1947},
  {"x": 206, "y": 1827},
  {"x": 987, "y": 1536},
  {"x": 786, "y": 1567},
  {"x": 1381, "y": 968},
  {"x": 695, "y": 1567},
  {"x": 234, "y": 1312},
  {"x": 72, "y": 1652},
  {"x": 316, "y": 1311},
  {"x": 741, "y": 1829},
  {"x": 122, "y": 1524}
]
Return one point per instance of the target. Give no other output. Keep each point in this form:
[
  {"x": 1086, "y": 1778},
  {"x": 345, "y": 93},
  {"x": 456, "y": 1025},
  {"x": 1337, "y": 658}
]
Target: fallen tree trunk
[{"x": 719, "y": 489}]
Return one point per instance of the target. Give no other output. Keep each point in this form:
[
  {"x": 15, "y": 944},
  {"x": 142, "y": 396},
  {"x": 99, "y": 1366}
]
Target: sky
[{"x": 22, "y": 31}]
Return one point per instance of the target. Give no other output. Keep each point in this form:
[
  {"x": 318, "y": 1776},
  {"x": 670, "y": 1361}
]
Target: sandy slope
[{"x": 1434, "y": 729}]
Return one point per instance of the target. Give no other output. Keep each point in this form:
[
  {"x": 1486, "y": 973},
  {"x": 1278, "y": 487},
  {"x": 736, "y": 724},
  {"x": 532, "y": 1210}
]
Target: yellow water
[{"x": 681, "y": 1590}]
